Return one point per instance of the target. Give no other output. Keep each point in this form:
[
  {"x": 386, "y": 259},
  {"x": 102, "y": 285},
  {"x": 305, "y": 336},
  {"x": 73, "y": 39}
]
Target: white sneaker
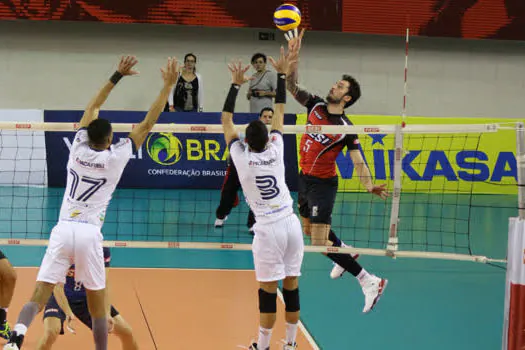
[
  {"x": 338, "y": 271},
  {"x": 220, "y": 222},
  {"x": 373, "y": 288},
  {"x": 288, "y": 346}
]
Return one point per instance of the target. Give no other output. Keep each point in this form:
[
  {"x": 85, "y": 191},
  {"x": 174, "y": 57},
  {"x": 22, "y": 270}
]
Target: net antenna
[{"x": 393, "y": 240}]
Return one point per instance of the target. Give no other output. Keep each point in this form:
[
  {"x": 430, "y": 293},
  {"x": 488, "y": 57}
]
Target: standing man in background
[{"x": 263, "y": 85}]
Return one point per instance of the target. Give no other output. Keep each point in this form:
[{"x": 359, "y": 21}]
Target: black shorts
[
  {"x": 316, "y": 198},
  {"x": 79, "y": 308},
  {"x": 2, "y": 256}
]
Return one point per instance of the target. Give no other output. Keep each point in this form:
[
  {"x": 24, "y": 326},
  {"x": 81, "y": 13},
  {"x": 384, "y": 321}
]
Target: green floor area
[{"x": 428, "y": 304}]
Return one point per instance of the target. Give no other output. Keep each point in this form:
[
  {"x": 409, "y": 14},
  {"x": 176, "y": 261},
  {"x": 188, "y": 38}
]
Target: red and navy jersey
[
  {"x": 75, "y": 290},
  {"x": 318, "y": 152}
]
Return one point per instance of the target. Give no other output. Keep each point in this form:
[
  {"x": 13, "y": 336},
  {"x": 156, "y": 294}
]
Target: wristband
[
  {"x": 229, "y": 104},
  {"x": 280, "y": 95},
  {"x": 115, "y": 78}
]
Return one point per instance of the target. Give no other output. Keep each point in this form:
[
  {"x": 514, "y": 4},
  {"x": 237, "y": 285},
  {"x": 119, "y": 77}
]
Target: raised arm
[
  {"x": 282, "y": 67},
  {"x": 169, "y": 76},
  {"x": 238, "y": 78},
  {"x": 294, "y": 47},
  {"x": 125, "y": 67}
]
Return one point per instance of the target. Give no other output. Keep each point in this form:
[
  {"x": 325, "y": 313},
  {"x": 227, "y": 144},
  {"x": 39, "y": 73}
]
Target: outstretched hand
[
  {"x": 126, "y": 65},
  {"x": 295, "y": 40},
  {"x": 283, "y": 64},
  {"x": 239, "y": 73},
  {"x": 381, "y": 191},
  {"x": 170, "y": 73}
]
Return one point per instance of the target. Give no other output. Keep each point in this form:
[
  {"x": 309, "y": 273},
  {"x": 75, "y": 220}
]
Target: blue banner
[{"x": 165, "y": 160}]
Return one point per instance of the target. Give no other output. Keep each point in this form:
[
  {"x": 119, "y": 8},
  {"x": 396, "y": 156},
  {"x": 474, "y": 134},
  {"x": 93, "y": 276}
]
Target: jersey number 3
[
  {"x": 268, "y": 186},
  {"x": 95, "y": 185}
]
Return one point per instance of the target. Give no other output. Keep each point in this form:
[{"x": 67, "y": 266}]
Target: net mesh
[{"x": 442, "y": 174}]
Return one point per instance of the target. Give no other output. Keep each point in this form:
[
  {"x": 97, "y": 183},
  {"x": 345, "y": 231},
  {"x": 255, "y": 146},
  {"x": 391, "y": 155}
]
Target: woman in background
[{"x": 186, "y": 95}]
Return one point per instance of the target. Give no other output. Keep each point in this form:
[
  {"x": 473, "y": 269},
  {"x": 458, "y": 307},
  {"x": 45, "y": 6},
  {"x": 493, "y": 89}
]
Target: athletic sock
[
  {"x": 291, "y": 332},
  {"x": 263, "y": 342}
]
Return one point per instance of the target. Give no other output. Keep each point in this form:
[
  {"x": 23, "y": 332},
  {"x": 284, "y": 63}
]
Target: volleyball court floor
[{"x": 204, "y": 299}]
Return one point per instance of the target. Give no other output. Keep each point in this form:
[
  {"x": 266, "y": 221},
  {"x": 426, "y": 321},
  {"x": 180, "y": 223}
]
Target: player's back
[
  {"x": 92, "y": 176},
  {"x": 262, "y": 176}
]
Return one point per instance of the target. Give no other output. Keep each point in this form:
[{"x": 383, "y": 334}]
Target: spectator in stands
[
  {"x": 186, "y": 95},
  {"x": 262, "y": 86}
]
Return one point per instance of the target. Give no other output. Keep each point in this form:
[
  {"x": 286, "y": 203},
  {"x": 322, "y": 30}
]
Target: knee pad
[
  {"x": 291, "y": 300},
  {"x": 267, "y": 302}
]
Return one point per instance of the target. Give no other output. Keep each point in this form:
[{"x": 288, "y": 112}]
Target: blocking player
[
  {"x": 229, "y": 197},
  {"x": 7, "y": 288},
  {"x": 94, "y": 169},
  {"x": 318, "y": 179},
  {"x": 278, "y": 246},
  {"x": 69, "y": 302}
]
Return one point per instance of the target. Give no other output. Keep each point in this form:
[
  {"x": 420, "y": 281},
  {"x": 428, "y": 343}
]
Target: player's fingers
[
  {"x": 272, "y": 61},
  {"x": 287, "y": 36},
  {"x": 301, "y": 34}
]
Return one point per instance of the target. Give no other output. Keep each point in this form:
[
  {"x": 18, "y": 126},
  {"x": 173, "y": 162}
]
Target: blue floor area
[{"x": 428, "y": 304}]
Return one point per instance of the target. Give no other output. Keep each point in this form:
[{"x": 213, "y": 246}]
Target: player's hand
[
  {"x": 282, "y": 66},
  {"x": 71, "y": 324},
  {"x": 111, "y": 324},
  {"x": 294, "y": 40},
  {"x": 170, "y": 73},
  {"x": 380, "y": 191},
  {"x": 126, "y": 65},
  {"x": 239, "y": 73}
]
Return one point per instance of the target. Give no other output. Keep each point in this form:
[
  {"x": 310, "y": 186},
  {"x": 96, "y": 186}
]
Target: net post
[
  {"x": 520, "y": 158},
  {"x": 393, "y": 240}
]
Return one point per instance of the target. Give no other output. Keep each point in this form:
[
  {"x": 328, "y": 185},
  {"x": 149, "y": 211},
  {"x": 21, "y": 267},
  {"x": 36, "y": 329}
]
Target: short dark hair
[
  {"x": 269, "y": 109},
  {"x": 257, "y": 135},
  {"x": 98, "y": 131},
  {"x": 257, "y": 56},
  {"x": 354, "y": 89}
]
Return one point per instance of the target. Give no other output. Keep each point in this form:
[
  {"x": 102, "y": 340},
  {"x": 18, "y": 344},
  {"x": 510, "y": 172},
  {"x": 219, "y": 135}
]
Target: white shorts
[
  {"x": 79, "y": 244},
  {"x": 278, "y": 249}
]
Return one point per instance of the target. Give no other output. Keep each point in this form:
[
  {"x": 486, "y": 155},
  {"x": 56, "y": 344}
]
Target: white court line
[{"x": 301, "y": 326}]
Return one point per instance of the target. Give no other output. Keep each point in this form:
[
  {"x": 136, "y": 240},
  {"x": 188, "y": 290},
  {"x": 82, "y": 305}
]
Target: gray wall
[{"x": 59, "y": 65}]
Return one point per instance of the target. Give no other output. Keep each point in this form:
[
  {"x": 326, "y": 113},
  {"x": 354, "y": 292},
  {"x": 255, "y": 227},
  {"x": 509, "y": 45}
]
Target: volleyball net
[{"x": 438, "y": 176}]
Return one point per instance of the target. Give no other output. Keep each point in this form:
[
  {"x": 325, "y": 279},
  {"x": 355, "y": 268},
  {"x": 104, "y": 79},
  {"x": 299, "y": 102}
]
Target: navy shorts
[
  {"x": 316, "y": 198},
  {"x": 79, "y": 308}
]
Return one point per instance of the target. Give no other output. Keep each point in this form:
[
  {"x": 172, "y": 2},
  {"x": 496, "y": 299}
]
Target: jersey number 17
[{"x": 94, "y": 186}]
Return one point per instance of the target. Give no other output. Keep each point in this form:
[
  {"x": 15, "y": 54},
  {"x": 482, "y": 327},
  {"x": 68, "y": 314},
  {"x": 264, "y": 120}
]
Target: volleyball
[{"x": 287, "y": 17}]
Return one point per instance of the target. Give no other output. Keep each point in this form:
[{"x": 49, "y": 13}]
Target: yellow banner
[{"x": 438, "y": 163}]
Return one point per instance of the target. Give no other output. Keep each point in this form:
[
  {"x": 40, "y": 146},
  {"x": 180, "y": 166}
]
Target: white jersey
[
  {"x": 262, "y": 177},
  {"x": 92, "y": 177}
]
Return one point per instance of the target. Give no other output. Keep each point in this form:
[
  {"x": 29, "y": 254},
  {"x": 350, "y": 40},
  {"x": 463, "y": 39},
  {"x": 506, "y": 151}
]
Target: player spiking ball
[{"x": 318, "y": 180}]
